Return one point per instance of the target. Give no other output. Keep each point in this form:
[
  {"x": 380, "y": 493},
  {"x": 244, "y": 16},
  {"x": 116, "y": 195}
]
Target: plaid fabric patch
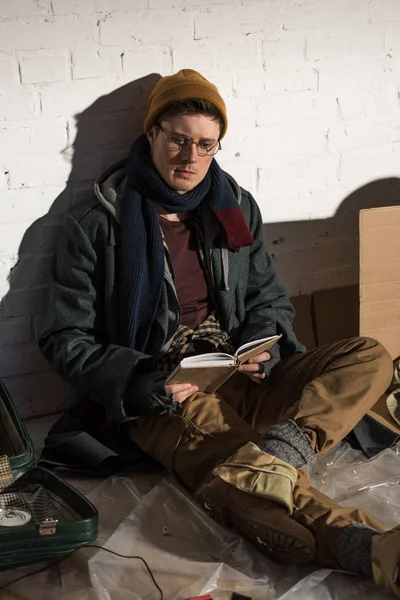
[
  {"x": 32, "y": 498},
  {"x": 183, "y": 341},
  {"x": 6, "y": 476}
]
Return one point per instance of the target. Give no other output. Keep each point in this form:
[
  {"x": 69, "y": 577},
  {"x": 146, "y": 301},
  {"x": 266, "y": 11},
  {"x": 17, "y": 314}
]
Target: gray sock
[
  {"x": 354, "y": 552},
  {"x": 286, "y": 441}
]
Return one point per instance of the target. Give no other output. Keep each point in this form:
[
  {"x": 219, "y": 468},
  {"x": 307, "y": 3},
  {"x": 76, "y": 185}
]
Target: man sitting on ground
[{"x": 168, "y": 260}]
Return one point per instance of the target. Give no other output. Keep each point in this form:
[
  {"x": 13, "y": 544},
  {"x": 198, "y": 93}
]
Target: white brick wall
[
  {"x": 27, "y": 33},
  {"x": 39, "y": 67},
  {"x": 312, "y": 89}
]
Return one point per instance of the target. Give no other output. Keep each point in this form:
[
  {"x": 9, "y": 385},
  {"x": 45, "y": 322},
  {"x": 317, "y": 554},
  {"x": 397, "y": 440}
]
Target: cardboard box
[
  {"x": 326, "y": 316},
  {"x": 335, "y": 314},
  {"x": 303, "y": 321},
  {"x": 371, "y": 309},
  {"x": 380, "y": 276}
]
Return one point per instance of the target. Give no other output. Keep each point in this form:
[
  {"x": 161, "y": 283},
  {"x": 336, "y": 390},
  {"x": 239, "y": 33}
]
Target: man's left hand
[{"x": 254, "y": 368}]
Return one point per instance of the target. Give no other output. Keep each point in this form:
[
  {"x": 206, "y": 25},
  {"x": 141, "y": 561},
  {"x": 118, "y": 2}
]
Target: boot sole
[{"x": 269, "y": 539}]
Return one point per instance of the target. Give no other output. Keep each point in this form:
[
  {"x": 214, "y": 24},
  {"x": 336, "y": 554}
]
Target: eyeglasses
[{"x": 178, "y": 142}]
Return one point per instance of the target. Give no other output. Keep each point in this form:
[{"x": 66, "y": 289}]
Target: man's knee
[
  {"x": 375, "y": 351},
  {"x": 369, "y": 350},
  {"x": 370, "y": 343}
]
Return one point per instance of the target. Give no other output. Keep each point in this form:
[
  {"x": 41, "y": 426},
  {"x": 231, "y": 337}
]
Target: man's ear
[{"x": 151, "y": 135}]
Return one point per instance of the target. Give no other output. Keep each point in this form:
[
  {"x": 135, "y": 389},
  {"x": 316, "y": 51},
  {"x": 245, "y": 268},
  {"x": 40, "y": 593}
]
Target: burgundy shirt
[{"x": 188, "y": 274}]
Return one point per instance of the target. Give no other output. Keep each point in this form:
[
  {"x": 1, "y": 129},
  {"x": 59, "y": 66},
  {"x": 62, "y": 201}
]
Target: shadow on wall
[
  {"x": 321, "y": 254},
  {"x": 105, "y": 131}
]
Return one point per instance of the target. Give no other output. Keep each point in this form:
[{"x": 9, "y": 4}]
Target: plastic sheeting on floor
[{"x": 189, "y": 555}]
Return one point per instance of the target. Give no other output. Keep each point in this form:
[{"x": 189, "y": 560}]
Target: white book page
[
  {"x": 254, "y": 343},
  {"x": 208, "y": 360}
]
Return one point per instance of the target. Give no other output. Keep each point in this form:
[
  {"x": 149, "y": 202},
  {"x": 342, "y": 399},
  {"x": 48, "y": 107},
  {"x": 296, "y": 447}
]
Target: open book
[{"x": 209, "y": 371}]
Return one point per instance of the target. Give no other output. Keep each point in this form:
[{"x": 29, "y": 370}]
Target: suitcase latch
[{"x": 47, "y": 527}]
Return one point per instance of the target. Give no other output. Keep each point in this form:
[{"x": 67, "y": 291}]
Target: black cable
[
  {"x": 88, "y": 546},
  {"x": 138, "y": 558}
]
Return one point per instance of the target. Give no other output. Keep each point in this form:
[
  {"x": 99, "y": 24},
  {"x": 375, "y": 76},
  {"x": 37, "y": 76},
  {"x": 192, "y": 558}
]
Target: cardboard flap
[{"x": 380, "y": 276}]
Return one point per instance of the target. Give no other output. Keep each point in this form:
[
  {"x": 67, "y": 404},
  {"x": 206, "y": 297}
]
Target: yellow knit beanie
[{"x": 185, "y": 84}]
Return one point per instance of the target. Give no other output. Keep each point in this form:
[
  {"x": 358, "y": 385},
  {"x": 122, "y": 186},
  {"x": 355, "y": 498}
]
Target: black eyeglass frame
[{"x": 187, "y": 142}]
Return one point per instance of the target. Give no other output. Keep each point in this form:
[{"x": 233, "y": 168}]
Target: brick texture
[{"x": 312, "y": 90}]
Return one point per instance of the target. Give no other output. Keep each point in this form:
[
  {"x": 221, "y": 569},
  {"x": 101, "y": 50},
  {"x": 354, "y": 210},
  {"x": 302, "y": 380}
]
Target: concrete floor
[{"x": 199, "y": 557}]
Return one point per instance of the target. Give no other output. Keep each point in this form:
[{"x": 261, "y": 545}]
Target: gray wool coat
[{"x": 79, "y": 335}]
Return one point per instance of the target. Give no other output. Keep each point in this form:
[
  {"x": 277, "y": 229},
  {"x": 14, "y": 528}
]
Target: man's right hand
[{"x": 181, "y": 391}]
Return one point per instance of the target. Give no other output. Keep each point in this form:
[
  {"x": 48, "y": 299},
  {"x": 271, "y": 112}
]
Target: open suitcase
[{"x": 41, "y": 516}]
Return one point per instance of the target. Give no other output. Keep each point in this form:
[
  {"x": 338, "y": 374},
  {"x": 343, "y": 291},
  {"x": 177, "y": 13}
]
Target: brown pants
[{"x": 326, "y": 391}]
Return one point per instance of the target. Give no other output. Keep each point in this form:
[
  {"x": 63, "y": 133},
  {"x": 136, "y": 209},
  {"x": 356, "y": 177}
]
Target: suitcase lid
[
  {"x": 63, "y": 519},
  {"x": 15, "y": 441}
]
